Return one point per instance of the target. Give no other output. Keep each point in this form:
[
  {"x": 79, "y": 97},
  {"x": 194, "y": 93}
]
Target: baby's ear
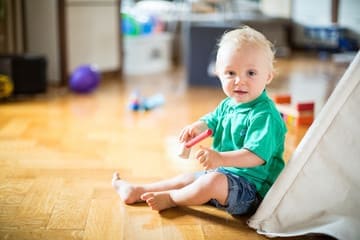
[{"x": 270, "y": 77}]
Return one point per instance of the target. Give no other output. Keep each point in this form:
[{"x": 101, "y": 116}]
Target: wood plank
[
  {"x": 105, "y": 221},
  {"x": 201, "y": 215},
  {"x": 27, "y": 223},
  {"x": 221, "y": 232},
  {"x": 41, "y": 197},
  {"x": 139, "y": 222},
  {"x": 36, "y": 207},
  {"x": 14, "y": 128},
  {"x": 6, "y": 212},
  {"x": 71, "y": 208},
  {"x": 183, "y": 232},
  {"x": 42, "y": 235},
  {"x": 12, "y": 191}
]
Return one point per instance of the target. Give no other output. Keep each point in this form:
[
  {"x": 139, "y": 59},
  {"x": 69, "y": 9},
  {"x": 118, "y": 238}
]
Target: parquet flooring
[{"x": 58, "y": 152}]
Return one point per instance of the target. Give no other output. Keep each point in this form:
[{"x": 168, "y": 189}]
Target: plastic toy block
[
  {"x": 289, "y": 110},
  {"x": 281, "y": 99},
  {"x": 305, "y": 106},
  {"x": 289, "y": 119},
  {"x": 298, "y": 121},
  {"x": 304, "y": 120}
]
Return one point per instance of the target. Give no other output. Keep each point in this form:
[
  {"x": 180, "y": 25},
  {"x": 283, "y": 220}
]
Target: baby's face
[{"x": 243, "y": 72}]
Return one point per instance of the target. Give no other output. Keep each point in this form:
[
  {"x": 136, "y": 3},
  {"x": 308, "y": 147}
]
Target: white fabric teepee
[{"x": 319, "y": 189}]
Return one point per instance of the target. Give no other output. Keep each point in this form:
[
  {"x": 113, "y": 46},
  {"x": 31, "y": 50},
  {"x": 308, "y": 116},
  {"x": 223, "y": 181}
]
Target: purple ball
[{"x": 84, "y": 79}]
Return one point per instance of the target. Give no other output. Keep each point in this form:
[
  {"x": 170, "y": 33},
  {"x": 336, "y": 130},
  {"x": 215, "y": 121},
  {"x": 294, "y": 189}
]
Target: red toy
[
  {"x": 186, "y": 147},
  {"x": 198, "y": 138},
  {"x": 285, "y": 98},
  {"x": 301, "y": 113}
]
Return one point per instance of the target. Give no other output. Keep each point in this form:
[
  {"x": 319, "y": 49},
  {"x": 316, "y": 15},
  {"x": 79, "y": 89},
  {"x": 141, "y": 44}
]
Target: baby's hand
[
  {"x": 208, "y": 158},
  {"x": 189, "y": 132}
]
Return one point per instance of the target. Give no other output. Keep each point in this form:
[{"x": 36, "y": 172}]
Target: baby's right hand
[
  {"x": 192, "y": 130},
  {"x": 187, "y": 133}
]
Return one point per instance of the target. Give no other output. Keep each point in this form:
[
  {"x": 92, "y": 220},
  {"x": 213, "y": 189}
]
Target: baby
[{"x": 248, "y": 137}]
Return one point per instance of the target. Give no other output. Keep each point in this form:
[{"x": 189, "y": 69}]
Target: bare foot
[
  {"x": 158, "y": 200},
  {"x": 128, "y": 193}
]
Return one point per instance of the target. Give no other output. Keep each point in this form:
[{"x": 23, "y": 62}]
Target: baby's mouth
[{"x": 240, "y": 92}]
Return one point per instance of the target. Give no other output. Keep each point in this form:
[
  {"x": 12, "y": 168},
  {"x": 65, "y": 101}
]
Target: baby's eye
[
  {"x": 251, "y": 73},
  {"x": 230, "y": 73}
]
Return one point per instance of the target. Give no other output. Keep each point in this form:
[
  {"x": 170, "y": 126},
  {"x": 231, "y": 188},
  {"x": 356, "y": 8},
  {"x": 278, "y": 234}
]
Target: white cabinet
[{"x": 93, "y": 34}]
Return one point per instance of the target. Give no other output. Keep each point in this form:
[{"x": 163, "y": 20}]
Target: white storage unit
[
  {"x": 147, "y": 54},
  {"x": 92, "y": 34}
]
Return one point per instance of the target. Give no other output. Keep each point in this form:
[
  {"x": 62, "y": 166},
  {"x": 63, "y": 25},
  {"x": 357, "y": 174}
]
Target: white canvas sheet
[{"x": 319, "y": 189}]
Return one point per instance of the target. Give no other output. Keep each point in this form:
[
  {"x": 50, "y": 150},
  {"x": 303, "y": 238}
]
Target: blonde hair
[{"x": 247, "y": 35}]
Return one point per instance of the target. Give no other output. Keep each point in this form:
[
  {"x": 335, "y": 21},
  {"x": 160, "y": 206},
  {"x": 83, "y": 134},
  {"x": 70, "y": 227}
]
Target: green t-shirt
[{"x": 256, "y": 126}]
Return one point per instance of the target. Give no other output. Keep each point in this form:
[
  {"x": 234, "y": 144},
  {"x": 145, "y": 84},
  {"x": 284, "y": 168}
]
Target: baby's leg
[
  {"x": 131, "y": 193},
  {"x": 209, "y": 186}
]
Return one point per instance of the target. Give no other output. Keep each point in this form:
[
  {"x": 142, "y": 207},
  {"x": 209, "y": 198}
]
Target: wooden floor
[{"x": 59, "y": 150}]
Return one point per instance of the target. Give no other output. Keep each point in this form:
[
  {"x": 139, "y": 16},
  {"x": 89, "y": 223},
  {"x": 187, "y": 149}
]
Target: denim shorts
[{"x": 242, "y": 195}]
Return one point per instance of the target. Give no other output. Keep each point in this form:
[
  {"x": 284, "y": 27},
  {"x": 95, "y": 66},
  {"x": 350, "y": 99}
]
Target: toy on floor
[
  {"x": 140, "y": 103},
  {"x": 84, "y": 79},
  {"x": 301, "y": 113},
  {"x": 6, "y": 86},
  {"x": 186, "y": 147}
]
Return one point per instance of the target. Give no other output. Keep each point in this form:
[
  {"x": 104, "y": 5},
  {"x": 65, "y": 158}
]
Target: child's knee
[{"x": 214, "y": 180}]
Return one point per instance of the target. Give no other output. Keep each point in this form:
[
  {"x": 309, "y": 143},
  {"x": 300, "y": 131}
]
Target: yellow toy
[{"x": 6, "y": 86}]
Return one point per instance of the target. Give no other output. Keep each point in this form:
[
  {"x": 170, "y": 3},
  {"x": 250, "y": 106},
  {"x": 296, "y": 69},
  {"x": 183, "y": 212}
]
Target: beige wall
[
  {"x": 276, "y": 8},
  {"x": 349, "y": 15},
  {"x": 310, "y": 12}
]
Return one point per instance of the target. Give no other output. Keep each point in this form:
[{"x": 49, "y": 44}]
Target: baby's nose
[{"x": 237, "y": 79}]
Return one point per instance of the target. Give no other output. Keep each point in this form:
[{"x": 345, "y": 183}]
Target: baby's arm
[
  {"x": 243, "y": 158},
  {"x": 240, "y": 158}
]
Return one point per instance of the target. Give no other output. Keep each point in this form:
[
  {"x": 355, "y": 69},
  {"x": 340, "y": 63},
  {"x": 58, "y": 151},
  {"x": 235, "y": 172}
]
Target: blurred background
[{"x": 141, "y": 37}]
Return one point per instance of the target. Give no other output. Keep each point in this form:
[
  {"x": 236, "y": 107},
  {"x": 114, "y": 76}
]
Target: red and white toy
[{"x": 186, "y": 146}]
